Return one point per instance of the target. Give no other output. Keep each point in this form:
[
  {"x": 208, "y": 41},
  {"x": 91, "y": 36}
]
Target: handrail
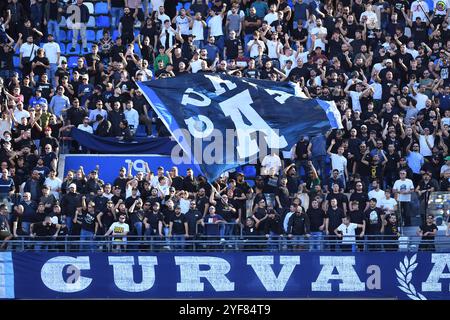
[{"x": 236, "y": 243}]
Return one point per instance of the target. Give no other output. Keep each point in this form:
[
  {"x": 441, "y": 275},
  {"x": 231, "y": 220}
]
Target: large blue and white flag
[{"x": 222, "y": 122}]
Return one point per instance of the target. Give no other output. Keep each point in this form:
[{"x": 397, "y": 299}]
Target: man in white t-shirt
[
  {"x": 376, "y": 192},
  {"x": 161, "y": 15},
  {"x": 271, "y": 164},
  {"x": 215, "y": 25},
  {"x": 338, "y": 161},
  {"x": 404, "y": 187},
  {"x": 347, "y": 232},
  {"x": 121, "y": 229},
  {"x": 255, "y": 45},
  {"x": 272, "y": 15},
  {"x": 53, "y": 53},
  {"x": 387, "y": 204}
]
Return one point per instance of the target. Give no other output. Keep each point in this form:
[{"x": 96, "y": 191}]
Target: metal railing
[{"x": 198, "y": 243}]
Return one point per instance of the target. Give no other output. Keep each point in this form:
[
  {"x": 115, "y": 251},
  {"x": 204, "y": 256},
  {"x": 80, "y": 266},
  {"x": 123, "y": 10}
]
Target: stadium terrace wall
[
  {"x": 110, "y": 164},
  {"x": 417, "y": 276}
]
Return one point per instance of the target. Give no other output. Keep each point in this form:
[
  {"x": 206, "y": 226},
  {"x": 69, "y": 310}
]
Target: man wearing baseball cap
[
  {"x": 49, "y": 139},
  {"x": 69, "y": 204}
]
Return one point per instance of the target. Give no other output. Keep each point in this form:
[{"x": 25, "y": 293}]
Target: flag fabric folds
[{"x": 222, "y": 122}]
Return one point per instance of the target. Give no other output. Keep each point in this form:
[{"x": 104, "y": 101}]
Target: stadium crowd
[{"x": 384, "y": 63}]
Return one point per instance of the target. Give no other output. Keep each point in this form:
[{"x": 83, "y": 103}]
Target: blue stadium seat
[
  {"x": 101, "y": 8},
  {"x": 103, "y": 22},
  {"x": 69, "y": 35},
  {"x": 16, "y": 61},
  {"x": 115, "y": 35},
  {"x": 62, "y": 35},
  {"x": 179, "y": 6},
  {"x": 187, "y": 6},
  {"x": 90, "y": 7},
  {"x": 72, "y": 62},
  {"x": 91, "y": 22},
  {"x": 89, "y": 45},
  {"x": 251, "y": 183},
  {"x": 62, "y": 47},
  {"x": 99, "y": 35},
  {"x": 77, "y": 49},
  {"x": 90, "y": 35},
  {"x": 249, "y": 171},
  {"x": 140, "y": 131}
]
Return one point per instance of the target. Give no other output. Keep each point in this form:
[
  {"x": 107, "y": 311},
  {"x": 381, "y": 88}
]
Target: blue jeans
[
  {"x": 69, "y": 224},
  {"x": 229, "y": 229},
  {"x": 116, "y": 14},
  {"x": 41, "y": 247},
  {"x": 53, "y": 28},
  {"x": 302, "y": 164},
  {"x": 299, "y": 241},
  {"x": 179, "y": 240},
  {"x": 319, "y": 163},
  {"x": 316, "y": 241},
  {"x": 51, "y": 74},
  {"x": 138, "y": 226},
  {"x": 166, "y": 235},
  {"x": 26, "y": 226},
  {"x": 198, "y": 43},
  {"x": 220, "y": 43},
  {"x": 87, "y": 236},
  {"x": 273, "y": 241}
]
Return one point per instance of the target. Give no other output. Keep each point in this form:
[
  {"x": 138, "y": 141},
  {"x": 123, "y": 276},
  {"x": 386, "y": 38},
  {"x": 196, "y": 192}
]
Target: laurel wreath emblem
[{"x": 404, "y": 277}]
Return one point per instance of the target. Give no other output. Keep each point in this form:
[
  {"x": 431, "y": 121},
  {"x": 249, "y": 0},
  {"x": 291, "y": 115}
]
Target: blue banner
[
  {"x": 417, "y": 276},
  {"x": 113, "y": 145},
  {"x": 110, "y": 164},
  {"x": 230, "y": 114}
]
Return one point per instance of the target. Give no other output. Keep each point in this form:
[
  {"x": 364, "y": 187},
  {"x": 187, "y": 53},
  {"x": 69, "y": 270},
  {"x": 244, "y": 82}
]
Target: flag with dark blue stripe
[{"x": 222, "y": 122}]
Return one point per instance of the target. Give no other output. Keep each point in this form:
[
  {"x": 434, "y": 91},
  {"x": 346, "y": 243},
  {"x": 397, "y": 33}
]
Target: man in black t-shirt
[
  {"x": 357, "y": 216},
  {"x": 89, "y": 224},
  {"x": 335, "y": 217},
  {"x": 40, "y": 63},
  {"x": 374, "y": 223},
  {"x": 317, "y": 219},
  {"x": 427, "y": 231},
  {"x": 359, "y": 196},
  {"x": 45, "y": 231},
  {"x": 178, "y": 228},
  {"x": 194, "y": 219}
]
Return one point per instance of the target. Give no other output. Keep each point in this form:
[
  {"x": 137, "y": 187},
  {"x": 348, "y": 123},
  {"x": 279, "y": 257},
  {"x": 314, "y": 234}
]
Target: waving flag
[{"x": 222, "y": 122}]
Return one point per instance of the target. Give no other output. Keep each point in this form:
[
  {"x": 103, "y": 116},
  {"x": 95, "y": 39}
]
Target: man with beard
[
  {"x": 153, "y": 222},
  {"x": 282, "y": 197},
  {"x": 202, "y": 202},
  {"x": 195, "y": 221},
  {"x": 374, "y": 223},
  {"x": 335, "y": 217},
  {"x": 225, "y": 209},
  {"x": 273, "y": 229},
  {"x": 317, "y": 218},
  {"x": 189, "y": 182},
  {"x": 115, "y": 116}
]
